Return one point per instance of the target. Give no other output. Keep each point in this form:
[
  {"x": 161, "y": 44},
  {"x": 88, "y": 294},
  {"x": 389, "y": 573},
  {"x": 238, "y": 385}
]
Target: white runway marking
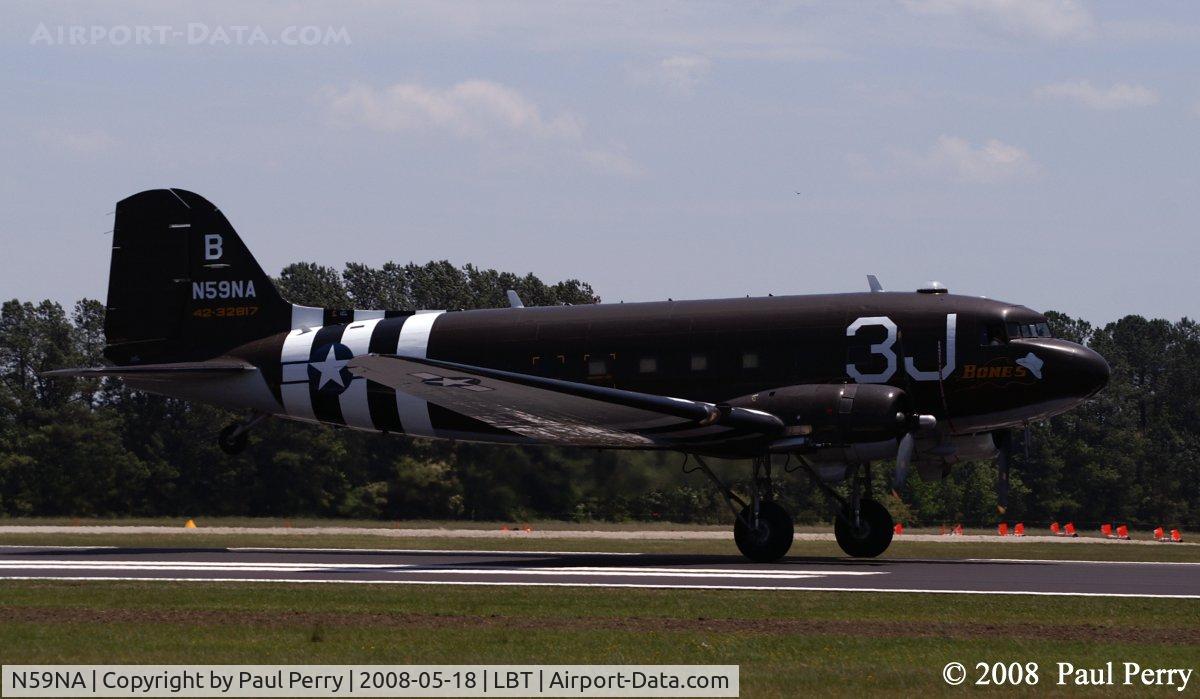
[
  {"x": 414, "y": 569},
  {"x": 665, "y": 586},
  {"x": 1107, "y": 563}
]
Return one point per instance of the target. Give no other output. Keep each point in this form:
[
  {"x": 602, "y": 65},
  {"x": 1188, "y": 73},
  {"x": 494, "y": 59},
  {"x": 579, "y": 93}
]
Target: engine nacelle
[{"x": 836, "y": 414}]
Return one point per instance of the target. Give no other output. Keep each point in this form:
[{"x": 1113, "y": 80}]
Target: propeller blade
[
  {"x": 1003, "y": 441},
  {"x": 904, "y": 453},
  {"x": 1025, "y": 439}
]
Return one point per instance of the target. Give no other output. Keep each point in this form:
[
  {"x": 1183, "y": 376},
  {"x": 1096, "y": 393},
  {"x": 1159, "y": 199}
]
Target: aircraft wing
[
  {"x": 563, "y": 412},
  {"x": 154, "y": 371}
]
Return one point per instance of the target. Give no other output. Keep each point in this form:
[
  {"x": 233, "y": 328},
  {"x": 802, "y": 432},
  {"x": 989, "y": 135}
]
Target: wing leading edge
[
  {"x": 564, "y": 412},
  {"x": 154, "y": 371}
]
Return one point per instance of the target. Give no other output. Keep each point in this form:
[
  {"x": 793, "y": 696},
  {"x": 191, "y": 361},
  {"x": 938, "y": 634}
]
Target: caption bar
[{"x": 370, "y": 680}]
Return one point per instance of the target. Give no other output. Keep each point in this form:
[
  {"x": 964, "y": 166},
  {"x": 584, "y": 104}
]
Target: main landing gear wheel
[
  {"x": 870, "y": 536},
  {"x": 770, "y": 538},
  {"x": 233, "y": 439}
]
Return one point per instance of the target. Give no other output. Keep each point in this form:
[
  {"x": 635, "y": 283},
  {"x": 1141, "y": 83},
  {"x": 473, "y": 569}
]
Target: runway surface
[
  {"x": 722, "y": 534},
  {"x": 424, "y": 567}
]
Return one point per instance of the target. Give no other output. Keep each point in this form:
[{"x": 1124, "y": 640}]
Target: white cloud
[
  {"x": 993, "y": 161},
  {"x": 1039, "y": 19},
  {"x": 611, "y": 160},
  {"x": 950, "y": 157},
  {"x": 678, "y": 73},
  {"x": 955, "y": 158},
  {"x": 472, "y": 109},
  {"x": 79, "y": 142},
  {"x": 1119, "y": 96},
  {"x": 476, "y": 108}
]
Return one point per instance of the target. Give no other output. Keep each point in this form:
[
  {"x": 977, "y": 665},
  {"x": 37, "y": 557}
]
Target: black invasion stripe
[
  {"x": 385, "y": 414},
  {"x": 381, "y": 400},
  {"x": 326, "y": 404},
  {"x": 386, "y": 335},
  {"x": 397, "y": 314}
]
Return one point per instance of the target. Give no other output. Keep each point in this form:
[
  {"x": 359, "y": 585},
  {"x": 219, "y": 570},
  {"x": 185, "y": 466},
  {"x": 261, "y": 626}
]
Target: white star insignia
[{"x": 330, "y": 368}]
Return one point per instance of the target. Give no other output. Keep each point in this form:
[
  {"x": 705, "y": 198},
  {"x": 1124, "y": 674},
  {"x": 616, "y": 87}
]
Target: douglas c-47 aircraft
[{"x": 835, "y": 381}]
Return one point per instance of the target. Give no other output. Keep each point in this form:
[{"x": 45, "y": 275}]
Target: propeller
[
  {"x": 904, "y": 454},
  {"x": 1003, "y": 440},
  {"x": 904, "y": 450}
]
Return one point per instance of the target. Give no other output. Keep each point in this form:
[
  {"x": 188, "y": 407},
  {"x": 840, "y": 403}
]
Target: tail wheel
[
  {"x": 231, "y": 441},
  {"x": 770, "y": 539},
  {"x": 871, "y": 536}
]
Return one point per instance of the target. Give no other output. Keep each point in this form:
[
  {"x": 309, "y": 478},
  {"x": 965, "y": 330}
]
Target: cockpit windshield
[
  {"x": 1023, "y": 330},
  {"x": 993, "y": 334}
]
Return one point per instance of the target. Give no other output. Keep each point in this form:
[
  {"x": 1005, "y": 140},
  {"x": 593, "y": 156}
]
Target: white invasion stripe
[
  {"x": 414, "y": 342},
  {"x": 307, "y": 317},
  {"x": 355, "y": 410},
  {"x": 659, "y": 586},
  {"x": 414, "y": 334},
  {"x": 297, "y": 400},
  {"x": 368, "y": 315}
]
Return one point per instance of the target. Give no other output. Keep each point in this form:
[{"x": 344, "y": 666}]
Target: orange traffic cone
[
  {"x": 1176, "y": 536},
  {"x": 1055, "y": 529},
  {"x": 1002, "y": 529},
  {"x": 1019, "y": 530},
  {"x": 1069, "y": 530},
  {"x": 1159, "y": 534},
  {"x": 1106, "y": 530},
  {"x": 1122, "y": 531},
  {"x": 898, "y": 529},
  {"x": 190, "y": 524},
  {"x": 958, "y": 530}
]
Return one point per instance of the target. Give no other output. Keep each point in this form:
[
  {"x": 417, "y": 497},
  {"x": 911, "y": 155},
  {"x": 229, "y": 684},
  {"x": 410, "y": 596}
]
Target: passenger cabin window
[
  {"x": 749, "y": 360},
  {"x": 597, "y": 367},
  {"x": 699, "y": 362},
  {"x": 647, "y": 365}
]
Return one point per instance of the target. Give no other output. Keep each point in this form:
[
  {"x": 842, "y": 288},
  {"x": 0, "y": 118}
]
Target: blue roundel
[{"x": 327, "y": 371}]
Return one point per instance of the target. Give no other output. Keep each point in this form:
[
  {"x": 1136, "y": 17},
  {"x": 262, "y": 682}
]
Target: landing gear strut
[
  {"x": 863, "y": 527},
  {"x": 232, "y": 439},
  {"x": 762, "y": 529}
]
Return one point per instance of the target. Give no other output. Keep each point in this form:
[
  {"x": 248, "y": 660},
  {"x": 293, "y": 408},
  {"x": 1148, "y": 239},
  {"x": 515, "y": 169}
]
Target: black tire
[
  {"x": 872, "y": 537},
  {"x": 773, "y": 537},
  {"x": 230, "y": 444}
]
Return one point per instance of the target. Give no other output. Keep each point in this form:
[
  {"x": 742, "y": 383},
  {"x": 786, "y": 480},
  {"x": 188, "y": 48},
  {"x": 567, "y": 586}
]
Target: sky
[{"x": 1044, "y": 153}]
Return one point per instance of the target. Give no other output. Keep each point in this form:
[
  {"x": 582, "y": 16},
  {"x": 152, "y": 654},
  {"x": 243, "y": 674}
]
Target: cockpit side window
[{"x": 992, "y": 335}]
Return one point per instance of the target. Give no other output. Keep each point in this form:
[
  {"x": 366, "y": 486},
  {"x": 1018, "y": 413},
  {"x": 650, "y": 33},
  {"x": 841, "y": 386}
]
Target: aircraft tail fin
[{"x": 182, "y": 285}]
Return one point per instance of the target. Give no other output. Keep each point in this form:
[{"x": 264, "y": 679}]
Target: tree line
[{"x": 94, "y": 448}]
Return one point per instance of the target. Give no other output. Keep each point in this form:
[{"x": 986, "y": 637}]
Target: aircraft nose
[
  {"x": 1095, "y": 370},
  {"x": 1088, "y": 370}
]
